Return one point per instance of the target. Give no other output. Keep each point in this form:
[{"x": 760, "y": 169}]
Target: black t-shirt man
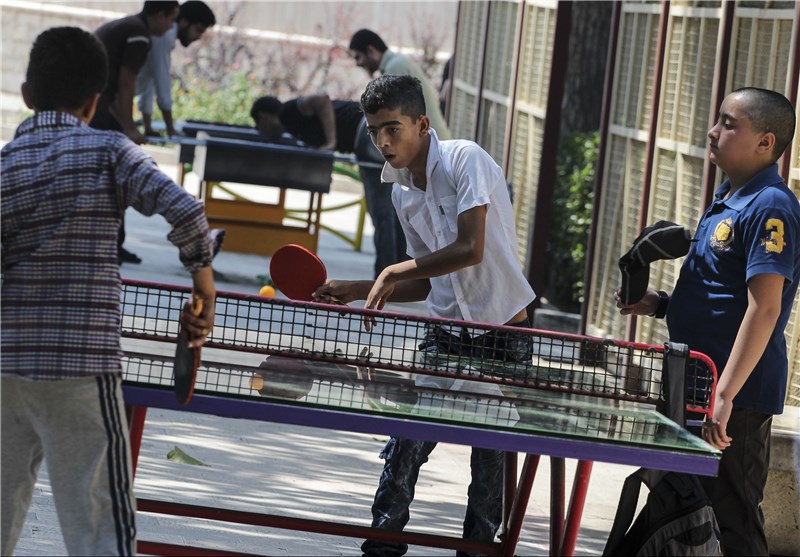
[
  {"x": 127, "y": 43},
  {"x": 309, "y": 130}
]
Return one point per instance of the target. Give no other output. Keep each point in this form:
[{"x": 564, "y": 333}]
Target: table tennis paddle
[
  {"x": 297, "y": 272},
  {"x": 187, "y": 360}
]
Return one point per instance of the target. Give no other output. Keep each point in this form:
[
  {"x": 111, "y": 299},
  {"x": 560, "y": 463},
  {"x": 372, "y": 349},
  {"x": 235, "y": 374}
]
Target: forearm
[
  {"x": 321, "y": 107},
  {"x": 329, "y": 126},
  {"x": 203, "y": 284},
  {"x": 452, "y": 258},
  {"x": 123, "y": 109},
  {"x": 414, "y": 290}
]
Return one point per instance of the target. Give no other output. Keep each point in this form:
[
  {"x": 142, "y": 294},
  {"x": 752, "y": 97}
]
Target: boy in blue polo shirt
[
  {"x": 453, "y": 204},
  {"x": 733, "y": 299}
]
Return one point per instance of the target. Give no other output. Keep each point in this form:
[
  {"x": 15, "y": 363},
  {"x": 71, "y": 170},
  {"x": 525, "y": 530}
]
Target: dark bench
[{"x": 238, "y": 155}]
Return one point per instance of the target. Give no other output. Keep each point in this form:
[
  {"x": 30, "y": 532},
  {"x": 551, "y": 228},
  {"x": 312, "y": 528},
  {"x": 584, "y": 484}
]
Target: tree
[{"x": 577, "y": 154}]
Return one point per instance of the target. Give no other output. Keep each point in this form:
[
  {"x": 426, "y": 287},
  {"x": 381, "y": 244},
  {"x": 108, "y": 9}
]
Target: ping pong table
[{"x": 315, "y": 365}]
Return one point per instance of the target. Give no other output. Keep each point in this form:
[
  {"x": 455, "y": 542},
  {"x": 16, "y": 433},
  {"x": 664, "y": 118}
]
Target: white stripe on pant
[{"x": 78, "y": 427}]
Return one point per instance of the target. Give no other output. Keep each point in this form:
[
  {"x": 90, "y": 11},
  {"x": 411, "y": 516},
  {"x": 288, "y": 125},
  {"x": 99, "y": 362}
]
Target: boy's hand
[
  {"x": 377, "y": 297},
  {"x": 198, "y": 326},
  {"x": 715, "y": 432},
  {"x": 135, "y": 136},
  {"x": 646, "y": 306},
  {"x": 344, "y": 291},
  {"x": 381, "y": 289}
]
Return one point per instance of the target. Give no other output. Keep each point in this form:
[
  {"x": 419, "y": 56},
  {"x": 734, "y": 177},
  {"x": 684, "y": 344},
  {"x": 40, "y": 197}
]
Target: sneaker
[
  {"x": 217, "y": 237},
  {"x": 126, "y": 256}
]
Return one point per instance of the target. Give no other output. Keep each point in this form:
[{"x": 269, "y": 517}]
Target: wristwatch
[{"x": 661, "y": 308}]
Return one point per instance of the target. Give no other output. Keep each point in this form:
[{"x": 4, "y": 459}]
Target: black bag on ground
[{"x": 677, "y": 518}]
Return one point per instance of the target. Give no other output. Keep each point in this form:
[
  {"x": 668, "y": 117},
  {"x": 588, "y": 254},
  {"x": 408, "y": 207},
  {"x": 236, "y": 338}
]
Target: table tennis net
[{"x": 507, "y": 356}]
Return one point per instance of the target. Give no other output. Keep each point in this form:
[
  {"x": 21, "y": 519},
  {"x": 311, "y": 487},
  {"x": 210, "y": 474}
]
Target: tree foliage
[{"x": 572, "y": 216}]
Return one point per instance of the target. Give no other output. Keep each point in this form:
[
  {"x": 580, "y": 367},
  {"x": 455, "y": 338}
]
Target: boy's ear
[
  {"x": 767, "y": 142},
  {"x": 424, "y": 125},
  {"x": 89, "y": 108},
  {"x": 26, "y": 95}
]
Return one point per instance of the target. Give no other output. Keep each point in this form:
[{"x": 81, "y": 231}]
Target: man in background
[
  {"x": 372, "y": 54},
  {"x": 127, "y": 43},
  {"x": 155, "y": 79}
]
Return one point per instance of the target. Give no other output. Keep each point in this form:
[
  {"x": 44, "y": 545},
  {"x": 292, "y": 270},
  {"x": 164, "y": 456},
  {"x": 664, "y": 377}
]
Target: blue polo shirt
[{"x": 755, "y": 231}]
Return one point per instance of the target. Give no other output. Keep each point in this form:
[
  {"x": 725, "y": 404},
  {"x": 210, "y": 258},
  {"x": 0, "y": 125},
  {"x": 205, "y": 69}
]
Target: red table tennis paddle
[
  {"x": 296, "y": 272},
  {"x": 187, "y": 360}
]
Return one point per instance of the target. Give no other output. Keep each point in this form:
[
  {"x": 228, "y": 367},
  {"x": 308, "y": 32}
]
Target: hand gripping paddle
[
  {"x": 296, "y": 272},
  {"x": 187, "y": 360}
]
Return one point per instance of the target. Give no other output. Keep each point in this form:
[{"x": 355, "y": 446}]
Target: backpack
[{"x": 677, "y": 518}]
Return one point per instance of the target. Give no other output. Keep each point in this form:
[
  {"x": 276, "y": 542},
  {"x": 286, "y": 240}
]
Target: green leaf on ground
[{"x": 177, "y": 455}]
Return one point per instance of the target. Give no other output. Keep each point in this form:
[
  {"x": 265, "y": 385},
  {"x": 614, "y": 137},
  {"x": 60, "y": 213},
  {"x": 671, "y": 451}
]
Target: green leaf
[{"x": 180, "y": 457}]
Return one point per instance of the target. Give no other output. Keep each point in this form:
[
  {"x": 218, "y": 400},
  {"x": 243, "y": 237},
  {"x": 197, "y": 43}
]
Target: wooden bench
[{"x": 257, "y": 226}]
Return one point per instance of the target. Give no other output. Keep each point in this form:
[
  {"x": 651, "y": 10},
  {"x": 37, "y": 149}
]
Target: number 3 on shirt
[{"x": 775, "y": 242}]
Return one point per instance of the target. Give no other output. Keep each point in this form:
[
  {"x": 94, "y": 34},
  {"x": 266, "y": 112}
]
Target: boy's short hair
[
  {"x": 770, "y": 112},
  {"x": 67, "y": 66},
  {"x": 152, "y": 7},
  {"x": 392, "y": 92},
  {"x": 364, "y": 38},
  {"x": 267, "y": 104},
  {"x": 195, "y": 11}
]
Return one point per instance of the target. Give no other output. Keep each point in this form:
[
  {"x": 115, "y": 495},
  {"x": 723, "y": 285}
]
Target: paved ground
[{"x": 304, "y": 472}]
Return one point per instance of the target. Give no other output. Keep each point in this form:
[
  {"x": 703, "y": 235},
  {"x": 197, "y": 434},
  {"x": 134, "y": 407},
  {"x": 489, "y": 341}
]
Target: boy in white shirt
[{"x": 453, "y": 203}]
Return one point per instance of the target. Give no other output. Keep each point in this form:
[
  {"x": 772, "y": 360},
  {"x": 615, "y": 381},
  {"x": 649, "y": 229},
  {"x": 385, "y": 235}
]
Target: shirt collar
[
  {"x": 403, "y": 176},
  {"x": 48, "y": 119},
  {"x": 768, "y": 176}
]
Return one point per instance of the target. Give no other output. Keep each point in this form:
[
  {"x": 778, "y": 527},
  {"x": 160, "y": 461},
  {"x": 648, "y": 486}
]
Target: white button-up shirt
[
  {"x": 460, "y": 176},
  {"x": 154, "y": 79}
]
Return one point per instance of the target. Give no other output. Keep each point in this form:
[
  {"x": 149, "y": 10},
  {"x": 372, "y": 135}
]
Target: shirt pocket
[
  {"x": 448, "y": 208},
  {"x": 421, "y": 224}
]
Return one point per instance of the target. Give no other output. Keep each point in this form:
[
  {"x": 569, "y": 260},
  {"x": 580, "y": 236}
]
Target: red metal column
[
  {"x": 557, "y": 493},
  {"x": 575, "y": 511},
  {"x": 510, "y": 486},
  {"x": 517, "y": 515},
  {"x": 136, "y": 416}
]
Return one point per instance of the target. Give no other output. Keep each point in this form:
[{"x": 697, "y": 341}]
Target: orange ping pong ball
[
  {"x": 267, "y": 291},
  {"x": 256, "y": 382}
]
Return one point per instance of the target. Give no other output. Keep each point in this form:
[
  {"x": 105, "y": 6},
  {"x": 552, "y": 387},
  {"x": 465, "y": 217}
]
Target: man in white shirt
[
  {"x": 453, "y": 203},
  {"x": 154, "y": 79}
]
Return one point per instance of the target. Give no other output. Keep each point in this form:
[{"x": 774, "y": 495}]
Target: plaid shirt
[{"x": 64, "y": 188}]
